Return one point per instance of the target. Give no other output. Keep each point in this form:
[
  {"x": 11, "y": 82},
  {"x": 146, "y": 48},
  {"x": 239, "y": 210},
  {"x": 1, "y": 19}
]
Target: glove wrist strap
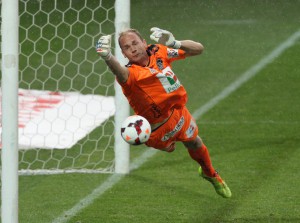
[
  {"x": 107, "y": 57},
  {"x": 176, "y": 44}
]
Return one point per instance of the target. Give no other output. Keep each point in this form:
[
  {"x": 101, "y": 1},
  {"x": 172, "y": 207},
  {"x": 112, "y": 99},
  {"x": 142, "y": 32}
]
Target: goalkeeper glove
[
  {"x": 164, "y": 37},
  {"x": 103, "y": 47}
]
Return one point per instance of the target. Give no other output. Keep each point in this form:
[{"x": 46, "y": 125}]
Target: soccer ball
[{"x": 135, "y": 130}]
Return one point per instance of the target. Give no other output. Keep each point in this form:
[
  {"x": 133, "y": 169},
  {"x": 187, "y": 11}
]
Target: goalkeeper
[{"x": 154, "y": 91}]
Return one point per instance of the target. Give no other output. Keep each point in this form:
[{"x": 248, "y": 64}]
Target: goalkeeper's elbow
[
  {"x": 199, "y": 49},
  {"x": 192, "y": 48}
]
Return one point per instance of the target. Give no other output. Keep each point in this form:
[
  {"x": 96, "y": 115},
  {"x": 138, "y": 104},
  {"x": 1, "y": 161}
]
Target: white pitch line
[
  {"x": 110, "y": 182},
  {"x": 115, "y": 178}
]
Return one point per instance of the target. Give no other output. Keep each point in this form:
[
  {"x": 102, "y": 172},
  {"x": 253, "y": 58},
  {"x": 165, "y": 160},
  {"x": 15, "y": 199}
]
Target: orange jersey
[{"x": 153, "y": 91}]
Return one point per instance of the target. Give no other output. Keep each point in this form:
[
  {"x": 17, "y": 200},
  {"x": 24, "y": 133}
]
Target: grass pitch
[{"x": 253, "y": 135}]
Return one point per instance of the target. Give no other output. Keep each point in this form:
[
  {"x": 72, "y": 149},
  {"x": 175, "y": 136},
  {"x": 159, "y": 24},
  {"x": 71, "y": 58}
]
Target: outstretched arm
[
  {"x": 166, "y": 38},
  {"x": 103, "y": 49},
  {"x": 117, "y": 69},
  {"x": 191, "y": 47}
]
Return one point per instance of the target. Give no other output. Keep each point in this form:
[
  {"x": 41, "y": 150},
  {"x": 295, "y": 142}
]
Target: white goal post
[
  {"x": 122, "y": 22},
  {"x": 61, "y": 108},
  {"x": 9, "y": 86}
]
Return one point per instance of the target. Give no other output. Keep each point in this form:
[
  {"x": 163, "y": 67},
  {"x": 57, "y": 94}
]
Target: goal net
[{"x": 66, "y": 92}]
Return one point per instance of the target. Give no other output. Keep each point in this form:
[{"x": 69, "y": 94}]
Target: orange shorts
[{"x": 181, "y": 126}]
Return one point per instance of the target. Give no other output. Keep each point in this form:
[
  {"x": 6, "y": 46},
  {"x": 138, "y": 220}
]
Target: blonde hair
[{"x": 123, "y": 33}]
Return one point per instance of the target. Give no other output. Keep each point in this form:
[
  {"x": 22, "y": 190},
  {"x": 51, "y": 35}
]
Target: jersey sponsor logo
[
  {"x": 172, "y": 53},
  {"x": 168, "y": 80},
  {"x": 176, "y": 129},
  {"x": 191, "y": 129}
]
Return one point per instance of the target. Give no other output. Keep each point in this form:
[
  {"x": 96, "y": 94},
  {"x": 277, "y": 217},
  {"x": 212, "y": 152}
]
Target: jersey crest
[{"x": 160, "y": 64}]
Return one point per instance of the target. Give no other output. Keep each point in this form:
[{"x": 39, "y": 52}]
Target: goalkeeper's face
[{"x": 134, "y": 48}]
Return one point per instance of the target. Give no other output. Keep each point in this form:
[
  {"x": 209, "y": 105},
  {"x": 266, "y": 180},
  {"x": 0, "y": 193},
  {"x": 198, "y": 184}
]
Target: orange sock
[{"x": 201, "y": 156}]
